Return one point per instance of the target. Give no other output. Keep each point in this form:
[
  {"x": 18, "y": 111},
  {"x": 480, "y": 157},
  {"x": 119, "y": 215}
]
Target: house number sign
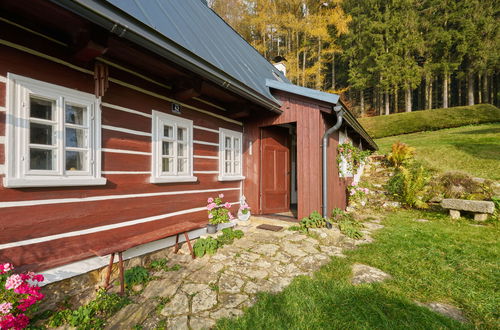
[{"x": 176, "y": 108}]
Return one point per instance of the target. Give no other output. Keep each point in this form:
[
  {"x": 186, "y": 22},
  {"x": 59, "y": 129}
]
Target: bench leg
[
  {"x": 454, "y": 214},
  {"x": 122, "y": 277},
  {"x": 480, "y": 216},
  {"x": 110, "y": 267},
  {"x": 176, "y": 249},
  {"x": 189, "y": 244}
]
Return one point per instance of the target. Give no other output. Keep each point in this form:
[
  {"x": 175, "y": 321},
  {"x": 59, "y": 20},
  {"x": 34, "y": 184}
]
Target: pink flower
[
  {"x": 13, "y": 282},
  {"x": 341, "y": 149},
  {"x": 211, "y": 206},
  {"x": 210, "y": 200},
  {"x": 366, "y": 190},
  {"x": 221, "y": 195},
  {"x": 5, "y": 307},
  {"x": 230, "y": 215},
  {"x": 227, "y": 205},
  {"x": 4, "y": 268},
  {"x": 210, "y": 215},
  {"x": 352, "y": 192}
]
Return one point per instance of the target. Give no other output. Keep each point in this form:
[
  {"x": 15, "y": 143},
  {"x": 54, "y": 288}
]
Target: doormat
[{"x": 270, "y": 227}]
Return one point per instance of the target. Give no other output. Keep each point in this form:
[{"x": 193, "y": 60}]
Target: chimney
[{"x": 279, "y": 63}]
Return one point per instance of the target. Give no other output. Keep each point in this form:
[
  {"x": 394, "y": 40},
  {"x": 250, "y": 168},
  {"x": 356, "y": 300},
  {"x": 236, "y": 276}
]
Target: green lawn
[
  {"x": 440, "y": 260},
  {"x": 471, "y": 149}
]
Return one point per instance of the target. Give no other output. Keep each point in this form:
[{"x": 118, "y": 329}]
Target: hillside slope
[
  {"x": 471, "y": 149},
  {"x": 429, "y": 120}
]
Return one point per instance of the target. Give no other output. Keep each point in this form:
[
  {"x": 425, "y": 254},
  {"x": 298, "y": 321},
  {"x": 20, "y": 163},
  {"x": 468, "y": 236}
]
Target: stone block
[
  {"x": 454, "y": 214},
  {"x": 468, "y": 205},
  {"x": 480, "y": 217}
]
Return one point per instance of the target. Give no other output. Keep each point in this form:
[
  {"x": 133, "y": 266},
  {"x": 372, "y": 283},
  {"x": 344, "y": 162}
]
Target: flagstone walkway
[{"x": 222, "y": 285}]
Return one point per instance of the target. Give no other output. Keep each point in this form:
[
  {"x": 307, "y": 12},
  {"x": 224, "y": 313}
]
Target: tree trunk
[
  {"x": 428, "y": 92},
  {"x": 486, "y": 95},
  {"x": 479, "y": 94},
  {"x": 459, "y": 91},
  {"x": 318, "y": 77},
  {"x": 362, "y": 102},
  {"x": 396, "y": 101},
  {"x": 470, "y": 87},
  {"x": 304, "y": 68},
  {"x": 446, "y": 78},
  {"x": 333, "y": 71},
  {"x": 387, "y": 105},
  {"x": 408, "y": 100}
]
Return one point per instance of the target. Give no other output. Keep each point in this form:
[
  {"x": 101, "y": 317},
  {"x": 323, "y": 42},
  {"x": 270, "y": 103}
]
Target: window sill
[
  {"x": 173, "y": 179},
  {"x": 53, "y": 182},
  {"x": 231, "y": 178}
]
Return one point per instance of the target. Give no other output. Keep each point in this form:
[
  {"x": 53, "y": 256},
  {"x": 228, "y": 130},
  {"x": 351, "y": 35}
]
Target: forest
[{"x": 381, "y": 56}]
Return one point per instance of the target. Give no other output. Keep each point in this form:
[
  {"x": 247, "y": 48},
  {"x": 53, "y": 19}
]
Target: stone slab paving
[{"x": 213, "y": 287}]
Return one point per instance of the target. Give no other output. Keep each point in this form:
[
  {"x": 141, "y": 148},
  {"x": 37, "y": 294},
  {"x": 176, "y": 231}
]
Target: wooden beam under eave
[
  {"x": 239, "y": 114},
  {"x": 90, "y": 51},
  {"x": 186, "y": 90}
]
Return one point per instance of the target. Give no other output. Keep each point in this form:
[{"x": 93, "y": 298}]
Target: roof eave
[{"x": 169, "y": 50}]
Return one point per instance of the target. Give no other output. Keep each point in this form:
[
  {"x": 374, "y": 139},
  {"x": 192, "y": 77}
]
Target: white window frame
[
  {"x": 223, "y": 176},
  {"x": 159, "y": 120},
  {"x": 18, "y": 172}
]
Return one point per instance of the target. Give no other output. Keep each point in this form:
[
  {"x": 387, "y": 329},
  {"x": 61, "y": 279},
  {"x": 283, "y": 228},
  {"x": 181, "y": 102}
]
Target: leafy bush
[
  {"x": 136, "y": 275},
  {"x": 314, "y": 220},
  {"x": 92, "y": 315},
  {"x": 347, "y": 224},
  {"x": 204, "y": 246},
  {"x": 429, "y": 120},
  {"x": 228, "y": 236},
  {"x": 409, "y": 185},
  {"x": 400, "y": 154}
]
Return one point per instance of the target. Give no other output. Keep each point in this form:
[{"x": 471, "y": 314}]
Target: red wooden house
[{"x": 118, "y": 118}]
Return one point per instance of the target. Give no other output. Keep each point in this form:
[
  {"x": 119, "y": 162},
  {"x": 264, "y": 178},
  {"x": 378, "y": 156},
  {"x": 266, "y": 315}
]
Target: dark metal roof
[
  {"x": 304, "y": 91},
  {"x": 192, "y": 25}
]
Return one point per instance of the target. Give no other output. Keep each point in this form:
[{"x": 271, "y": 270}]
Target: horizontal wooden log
[{"x": 119, "y": 140}]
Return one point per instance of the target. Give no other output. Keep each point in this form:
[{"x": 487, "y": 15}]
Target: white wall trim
[
  {"x": 125, "y": 130},
  {"x": 2, "y": 169},
  {"x": 3, "y": 79},
  {"x": 206, "y": 143},
  {"x": 3, "y": 109},
  {"x": 206, "y": 172},
  {"x": 117, "y": 107},
  {"x": 126, "y": 172},
  {"x": 206, "y": 129},
  {"x": 2, "y": 139},
  {"x": 206, "y": 157},
  {"x": 103, "y": 198},
  {"x": 100, "y": 228},
  {"x": 123, "y": 151}
]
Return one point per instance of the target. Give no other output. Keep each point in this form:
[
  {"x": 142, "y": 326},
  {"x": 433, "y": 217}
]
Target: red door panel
[{"x": 275, "y": 173}]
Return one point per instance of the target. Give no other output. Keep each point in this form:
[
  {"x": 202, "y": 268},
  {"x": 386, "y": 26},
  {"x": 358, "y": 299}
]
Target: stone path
[{"x": 222, "y": 285}]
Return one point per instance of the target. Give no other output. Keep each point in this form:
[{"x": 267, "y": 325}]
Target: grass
[
  {"x": 436, "y": 261},
  {"x": 429, "y": 120},
  {"x": 471, "y": 149}
]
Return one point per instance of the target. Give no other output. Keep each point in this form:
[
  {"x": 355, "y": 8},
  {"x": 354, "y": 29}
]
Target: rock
[
  {"x": 251, "y": 288},
  {"x": 199, "y": 323},
  {"x": 226, "y": 313},
  {"x": 204, "y": 300},
  {"x": 131, "y": 314},
  {"x": 468, "y": 205},
  {"x": 293, "y": 250},
  {"x": 204, "y": 275},
  {"x": 282, "y": 258},
  {"x": 366, "y": 274},
  {"x": 178, "y": 323},
  {"x": 230, "y": 283},
  {"x": 232, "y": 300},
  {"x": 278, "y": 284},
  {"x": 266, "y": 249},
  {"x": 454, "y": 214},
  {"x": 194, "y": 288},
  {"x": 177, "y": 306},
  {"x": 308, "y": 263},
  {"x": 137, "y": 287},
  {"x": 446, "y": 310},
  {"x": 421, "y": 220},
  {"x": 480, "y": 217},
  {"x": 163, "y": 288},
  {"x": 391, "y": 204}
]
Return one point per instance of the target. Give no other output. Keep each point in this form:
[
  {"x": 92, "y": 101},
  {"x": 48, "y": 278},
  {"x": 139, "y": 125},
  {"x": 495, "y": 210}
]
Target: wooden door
[{"x": 275, "y": 170}]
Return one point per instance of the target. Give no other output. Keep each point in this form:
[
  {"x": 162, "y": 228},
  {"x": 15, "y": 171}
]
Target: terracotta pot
[{"x": 211, "y": 229}]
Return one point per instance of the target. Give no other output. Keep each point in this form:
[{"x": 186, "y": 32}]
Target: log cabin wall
[
  {"x": 41, "y": 228},
  {"x": 306, "y": 114}
]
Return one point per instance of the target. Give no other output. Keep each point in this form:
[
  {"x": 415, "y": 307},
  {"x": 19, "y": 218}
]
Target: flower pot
[
  {"x": 242, "y": 216},
  {"x": 211, "y": 229}
]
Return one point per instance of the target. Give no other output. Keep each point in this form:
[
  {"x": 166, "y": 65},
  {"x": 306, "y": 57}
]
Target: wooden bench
[
  {"x": 114, "y": 245},
  {"x": 481, "y": 209}
]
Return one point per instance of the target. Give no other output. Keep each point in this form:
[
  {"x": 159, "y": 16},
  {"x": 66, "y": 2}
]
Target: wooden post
[
  {"x": 122, "y": 278},
  {"x": 110, "y": 267}
]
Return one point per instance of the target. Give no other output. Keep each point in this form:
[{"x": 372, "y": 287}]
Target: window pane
[
  {"x": 168, "y": 131},
  {"x": 237, "y": 169},
  {"x": 41, "y": 134},
  {"x": 75, "y": 114},
  {"x": 41, "y": 159},
  {"x": 76, "y": 161},
  {"x": 167, "y": 165},
  {"x": 41, "y": 108},
  {"x": 181, "y": 134},
  {"x": 236, "y": 143},
  {"x": 181, "y": 150},
  {"x": 75, "y": 137},
  {"x": 167, "y": 148},
  {"x": 182, "y": 165},
  {"x": 227, "y": 167},
  {"x": 228, "y": 155},
  {"x": 228, "y": 142}
]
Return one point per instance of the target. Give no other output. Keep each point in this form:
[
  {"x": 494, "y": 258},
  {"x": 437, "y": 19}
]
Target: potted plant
[
  {"x": 243, "y": 211},
  {"x": 218, "y": 212}
]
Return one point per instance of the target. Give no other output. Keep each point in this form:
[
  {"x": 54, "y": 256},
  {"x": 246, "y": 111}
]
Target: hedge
[{"x": 429, "y": 120}]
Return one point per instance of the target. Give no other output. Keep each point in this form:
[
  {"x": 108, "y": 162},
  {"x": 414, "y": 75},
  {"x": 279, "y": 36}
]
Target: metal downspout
[{"x": 340, "y": 113}]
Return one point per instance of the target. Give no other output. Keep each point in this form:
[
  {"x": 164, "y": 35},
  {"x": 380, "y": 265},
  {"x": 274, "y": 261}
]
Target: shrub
[
  {"x": 356, "y": 192},
  {"x": 162, "y": 264},
  {"x": 409, "y": 185},
  {"x": 429, "y": 120},
  {"x": 18, "y": 295},
  {"x": 347, "y": 224},
  {"x": 218, "y": 212},
  {"x": 315, "y": 220},
  {"x": 400, "y": 154},
  {"x": 136, "y": 275},
  {"x": 204, "y": 246}
]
